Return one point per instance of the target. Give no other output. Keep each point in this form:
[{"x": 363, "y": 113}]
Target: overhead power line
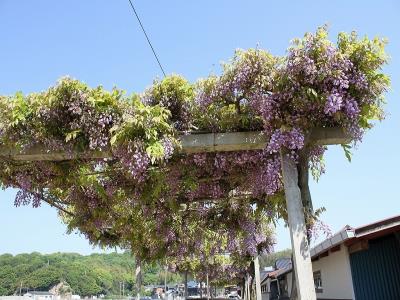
[{"x": 148, "y": 40}]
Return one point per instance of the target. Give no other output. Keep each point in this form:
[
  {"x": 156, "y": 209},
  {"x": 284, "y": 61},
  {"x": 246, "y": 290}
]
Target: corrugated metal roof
[
  {"x": 377, "y": 226},
  {"x": 283, "y": 263}
]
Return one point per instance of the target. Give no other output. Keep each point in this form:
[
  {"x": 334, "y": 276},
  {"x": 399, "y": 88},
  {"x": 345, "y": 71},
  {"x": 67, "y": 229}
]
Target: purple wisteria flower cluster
[{"x": 134, "y": 159}]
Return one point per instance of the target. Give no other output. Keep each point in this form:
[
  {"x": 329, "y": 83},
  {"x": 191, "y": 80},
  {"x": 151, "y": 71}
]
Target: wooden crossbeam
[{"x": 191, "y": 143}]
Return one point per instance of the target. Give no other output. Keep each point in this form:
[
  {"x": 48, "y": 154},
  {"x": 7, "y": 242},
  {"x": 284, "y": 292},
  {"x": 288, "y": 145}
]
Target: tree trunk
[
  {"x": 303, "y": 172},
  {"x": 302, "y": 169}
]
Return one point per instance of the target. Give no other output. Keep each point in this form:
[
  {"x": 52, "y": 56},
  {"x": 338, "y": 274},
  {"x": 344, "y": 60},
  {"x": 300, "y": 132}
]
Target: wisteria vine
[{"x": 160, "y": 203}]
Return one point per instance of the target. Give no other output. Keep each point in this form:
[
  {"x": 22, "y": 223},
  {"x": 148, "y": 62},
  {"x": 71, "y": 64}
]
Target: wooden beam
[
  {"x": 216, "y": 142},
  {"x": 191, "y": 143},
  {"x": 40, "y": 153},
  {"x": 329, "y": 136},
  {"x": 324, "y": 254},
  {"x": 335, "y": 249}
]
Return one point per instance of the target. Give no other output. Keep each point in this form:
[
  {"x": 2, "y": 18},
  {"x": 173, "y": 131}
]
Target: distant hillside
[{"x": 87, "y": 275}]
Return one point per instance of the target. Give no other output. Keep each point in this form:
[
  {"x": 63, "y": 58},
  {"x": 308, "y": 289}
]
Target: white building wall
[
  {"x": 335, "y": 275},
  {"x": 265, "y": 296},
  {"x": 15, "y": 298},
  {"x": 265, "y": 290}
]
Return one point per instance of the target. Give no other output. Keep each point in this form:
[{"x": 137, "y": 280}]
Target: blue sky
[{"x": 100, "y": 42}]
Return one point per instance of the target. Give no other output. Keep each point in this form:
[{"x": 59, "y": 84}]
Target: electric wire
[{"x": 148, "y": 40}]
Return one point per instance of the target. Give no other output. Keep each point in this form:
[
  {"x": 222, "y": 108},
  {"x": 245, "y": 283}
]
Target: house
[
  {"x": 62, "y": 290},
  {"x": 272, "y": 285},
  {"x": 38, "y": 295},
  {"x": 356, "y": 263}
]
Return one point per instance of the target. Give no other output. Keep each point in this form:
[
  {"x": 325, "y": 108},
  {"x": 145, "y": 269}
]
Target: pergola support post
[
  {"x": 208, "y": 288},
  {"x": 298, "y": 232},
  {"x": 257, "y": 277},
  {"x": 186, "y": 285},
  {"x": 247, "y": 288},
  {"x": 165, "y": 278},
  {"x": 138, "y": 274}
]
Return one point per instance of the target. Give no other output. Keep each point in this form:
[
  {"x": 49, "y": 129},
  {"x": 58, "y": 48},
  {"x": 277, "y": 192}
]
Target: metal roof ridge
[{"x": 384, "y": 222}]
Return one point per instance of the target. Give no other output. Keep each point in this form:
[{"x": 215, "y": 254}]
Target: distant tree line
[{"x": 86, "y": 275}]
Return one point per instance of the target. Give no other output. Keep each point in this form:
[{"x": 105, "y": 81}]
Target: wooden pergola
[{"x": 235, "y": 141}]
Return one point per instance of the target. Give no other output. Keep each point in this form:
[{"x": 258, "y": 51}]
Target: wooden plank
[
  {"x": 191, "y": 143},
  {"x": 40, "y": 153},
  {"x": 230, "y": 141},
  {"x": 329, "y": 136}
]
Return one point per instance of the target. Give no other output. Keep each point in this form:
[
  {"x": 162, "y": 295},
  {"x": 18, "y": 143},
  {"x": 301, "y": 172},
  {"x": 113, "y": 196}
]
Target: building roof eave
[{"x": 343, "y": 235}]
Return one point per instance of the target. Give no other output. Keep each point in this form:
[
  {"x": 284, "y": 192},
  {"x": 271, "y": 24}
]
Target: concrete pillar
[
  {"x": 208, "y": 288},
  {"x": 165, "y": 278},
  {"x": 298, "y": 232},
  {"x": 257, "y": 277},
  {"x": 246, "y": 290},
  {"x": 138, "y": 274},
  {"x": 186, "y": 285}
]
